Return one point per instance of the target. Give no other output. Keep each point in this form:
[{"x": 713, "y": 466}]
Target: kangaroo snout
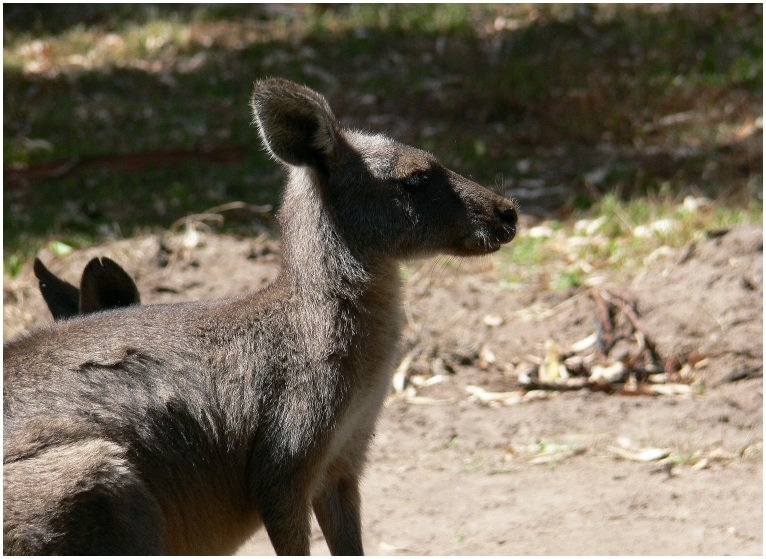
[
  {"x": 493, "y": 217},
  {"x": 499, "y": 229}
]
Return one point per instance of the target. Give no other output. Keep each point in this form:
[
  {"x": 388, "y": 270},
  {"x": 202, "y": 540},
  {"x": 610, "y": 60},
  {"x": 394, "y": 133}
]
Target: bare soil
[{"x": 508, "y": 471}]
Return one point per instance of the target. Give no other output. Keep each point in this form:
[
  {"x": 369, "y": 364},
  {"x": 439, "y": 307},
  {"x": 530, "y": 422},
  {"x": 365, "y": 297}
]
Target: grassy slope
[{"x": 642, "y": 104}]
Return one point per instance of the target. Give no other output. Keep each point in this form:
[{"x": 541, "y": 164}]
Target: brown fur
[{"x": 182, "y": 428}]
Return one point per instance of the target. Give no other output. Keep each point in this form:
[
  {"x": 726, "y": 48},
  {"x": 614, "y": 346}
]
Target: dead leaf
[
  {"x": 399, "y": 380},
  {"x": 485, "y": 397},
  {"x": 550, "y": 457},
  {"x": 486, "y": 357},
  {"x": 552, "y": 369},
  {"x": 607, "y": 373},
  {"x": 649, "y": 454},
  {"x": 493, "y": 321},
  {"x": 671, "y": 389},
  {"x": 585, "y": 343}
]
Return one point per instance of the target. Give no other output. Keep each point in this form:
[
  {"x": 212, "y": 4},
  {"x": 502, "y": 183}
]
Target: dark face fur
[{"x": 434, "y": 209}]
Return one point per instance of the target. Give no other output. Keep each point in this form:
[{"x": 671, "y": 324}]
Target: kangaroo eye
[{"x": 415, "y": 179}]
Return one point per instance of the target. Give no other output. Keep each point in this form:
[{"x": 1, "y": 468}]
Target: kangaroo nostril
[{"x": 507, "y": 214}]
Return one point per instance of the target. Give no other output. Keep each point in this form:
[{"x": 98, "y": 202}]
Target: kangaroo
[
  {"x": 104, "y": 285},
  {"x": 183, "y": 428}
]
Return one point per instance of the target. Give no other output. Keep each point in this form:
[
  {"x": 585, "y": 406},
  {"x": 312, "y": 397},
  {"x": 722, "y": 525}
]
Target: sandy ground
[{"x": 509, "y": 471}]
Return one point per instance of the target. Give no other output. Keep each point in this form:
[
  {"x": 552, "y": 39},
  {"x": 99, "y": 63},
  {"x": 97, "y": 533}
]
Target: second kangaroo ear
[
  {"x": 296, "y": 123},
  {"x": 105, "y": 285}
]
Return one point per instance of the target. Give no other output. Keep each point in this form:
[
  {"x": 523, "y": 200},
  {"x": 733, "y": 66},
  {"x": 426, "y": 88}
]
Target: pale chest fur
[
  {"x": 373, "y": 362},
  {"x": 354, "y": 428}
]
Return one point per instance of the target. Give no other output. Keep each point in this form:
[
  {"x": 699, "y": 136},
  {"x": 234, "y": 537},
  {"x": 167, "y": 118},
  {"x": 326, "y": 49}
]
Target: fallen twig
[
  {"x": 742, "y": 373},
  {"x": 639, "y": 372}
]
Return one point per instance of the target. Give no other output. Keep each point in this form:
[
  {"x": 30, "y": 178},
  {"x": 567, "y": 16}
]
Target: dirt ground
[{"x": 466, "y": 462}]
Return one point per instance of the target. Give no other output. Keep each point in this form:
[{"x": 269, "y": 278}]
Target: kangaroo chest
[
  {"x": 367, "y": 370},
  {"x": 355, "y": 425}
]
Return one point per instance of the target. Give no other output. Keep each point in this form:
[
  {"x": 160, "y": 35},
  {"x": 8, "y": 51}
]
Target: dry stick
[
  {"x": 628, "y": 308},
  {"x": 741, "y": 374},
  {"x": 214, "y": 213},
  {"x": 606, "y": 301},
  {"x": 606, "y": 330}
]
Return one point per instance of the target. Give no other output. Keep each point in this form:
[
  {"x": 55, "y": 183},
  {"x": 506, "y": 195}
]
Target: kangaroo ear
[
  {"x": 105, "y": 285},
  {"x": 296, "y": 123},
  {"x": 61, "y": 297}
]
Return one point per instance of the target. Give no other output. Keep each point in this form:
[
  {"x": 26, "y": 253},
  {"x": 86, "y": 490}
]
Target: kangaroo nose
[{"x": 507, "y": 214}]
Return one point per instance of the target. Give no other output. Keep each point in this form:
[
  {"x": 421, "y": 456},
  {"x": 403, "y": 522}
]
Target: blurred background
[{"x": 122, "y": 119}]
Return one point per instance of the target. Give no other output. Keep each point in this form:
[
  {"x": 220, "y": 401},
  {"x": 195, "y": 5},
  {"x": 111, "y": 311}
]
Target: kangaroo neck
[{"x": 317, "y": 261}]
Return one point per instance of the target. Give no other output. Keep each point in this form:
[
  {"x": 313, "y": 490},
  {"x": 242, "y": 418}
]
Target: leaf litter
[{"x": 620, "y": 357}]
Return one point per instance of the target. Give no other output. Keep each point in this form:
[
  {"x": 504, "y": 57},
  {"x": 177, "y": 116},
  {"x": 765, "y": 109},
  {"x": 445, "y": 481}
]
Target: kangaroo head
[{"x": 387, "y": 199}]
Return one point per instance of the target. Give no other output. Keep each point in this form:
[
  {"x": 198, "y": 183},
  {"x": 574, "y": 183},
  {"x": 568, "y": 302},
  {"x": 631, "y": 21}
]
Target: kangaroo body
[{"x": 180, "y": 429}]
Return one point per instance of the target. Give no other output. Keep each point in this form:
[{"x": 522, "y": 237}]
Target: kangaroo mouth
[
  {"x": 508, "y": 234},
  {"x": 487, "y": 242},
  {"x": 502, "y": 235}
]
